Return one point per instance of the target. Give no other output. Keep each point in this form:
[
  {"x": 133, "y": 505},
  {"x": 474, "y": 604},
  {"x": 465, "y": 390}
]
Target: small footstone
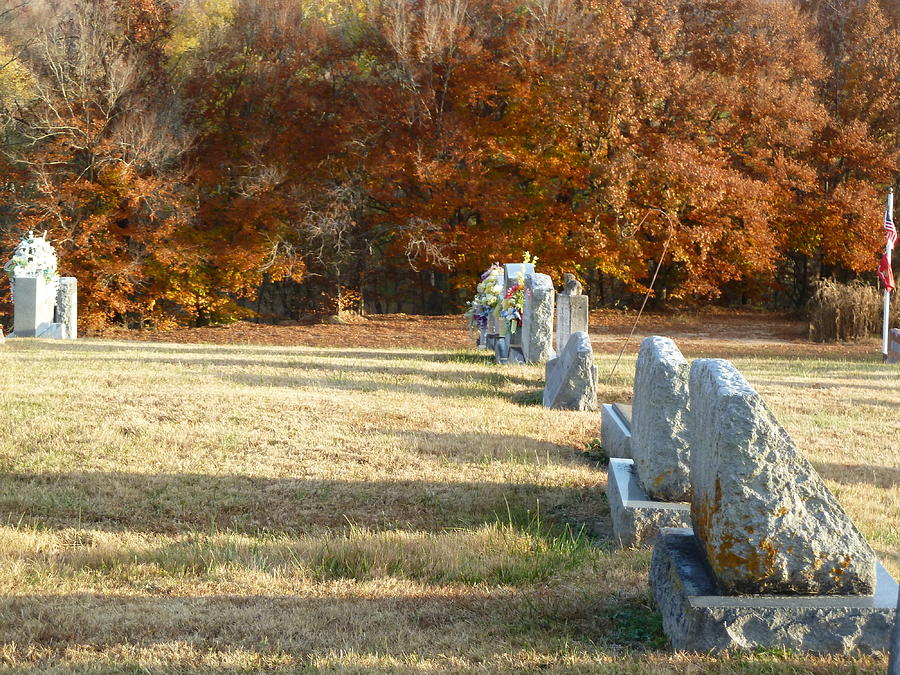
[
  {"x": 765, "y": 520},
  {"x": 571, "y": 378},
  {"x": 659, "y": 441}
]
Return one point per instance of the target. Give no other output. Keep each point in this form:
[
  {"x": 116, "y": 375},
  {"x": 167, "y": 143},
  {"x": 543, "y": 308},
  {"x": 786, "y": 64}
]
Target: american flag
[{"x": 889, "y": 229}]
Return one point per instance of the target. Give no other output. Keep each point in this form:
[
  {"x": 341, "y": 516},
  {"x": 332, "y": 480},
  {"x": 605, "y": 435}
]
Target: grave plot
[{"x": 773, "y": 559}]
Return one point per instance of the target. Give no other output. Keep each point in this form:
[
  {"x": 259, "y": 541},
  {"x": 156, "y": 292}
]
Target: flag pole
[{"x": 887, "y": 294}]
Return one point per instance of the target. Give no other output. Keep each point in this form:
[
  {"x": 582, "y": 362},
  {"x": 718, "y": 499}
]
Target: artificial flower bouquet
[
  {"x": 34, "y": 257},
  {"x": 512, "y": 306},
  {"x": 487, "y": 296}
]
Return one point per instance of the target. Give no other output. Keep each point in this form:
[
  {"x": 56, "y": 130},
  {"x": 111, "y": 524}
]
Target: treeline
[{"x": 192, "y": 159}]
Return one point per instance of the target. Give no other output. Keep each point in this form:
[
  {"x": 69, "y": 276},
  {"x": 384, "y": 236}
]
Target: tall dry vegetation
[{"x": 186, "y": 154}]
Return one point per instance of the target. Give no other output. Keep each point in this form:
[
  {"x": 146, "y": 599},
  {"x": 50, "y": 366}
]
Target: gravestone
[
  {"x": 893, "y": 355},
  {"x": 34, "y": 302},
  {"x": 537, "y": 319},
  {"x": 773, "y": 561},
  {"x": 508, "y": 345},
  {"x": 571, "y": 312},
  {"x": 571, "y": 377},
  {"x": 67, "y": 307},
  {"x": 698, "y": 617},
  {"x": 764, "y": 519},
  {"x": 659, "y": 435}
]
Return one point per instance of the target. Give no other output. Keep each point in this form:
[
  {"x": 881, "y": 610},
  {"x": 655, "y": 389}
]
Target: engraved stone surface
[
  {"x": 537, "y": 319},
  {"x": 697, "y": 617},
  {"x": 571, "y": 317},
  {"x": 894, "y": 663},
  {"x": 615, "y": 430},
  {"x": 571, "y": 378},
  {"x": 636, "y": 519},
  {"x": 35, "y": 299},
  {"x": 67, "y": 307},
  {"x": 766, "y": 521},
  {"x": 659, "y": 440}
]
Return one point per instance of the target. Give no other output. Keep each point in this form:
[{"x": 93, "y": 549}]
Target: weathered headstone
[
  {"x": 537, "y": 319},
  {"x": 764, "y": 519},
  {"x": 636, "y": 518},
  {"x": 67, "y": 307},
  {"x": 571, "y": 317},
  {"x": 571, "y": 377},
  {"x": 659, "y": 435}
]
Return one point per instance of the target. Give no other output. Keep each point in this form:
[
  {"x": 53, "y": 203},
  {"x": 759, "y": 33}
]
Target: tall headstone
[
  {"x": 765, "y": 521},
  {"x": 67, "y": 307},
  {"x": 660, "y": 445},
  {"x": 571, "y": 317},
  {"x": 537, "y": 319},
  {"x": 33, "y": 306}
]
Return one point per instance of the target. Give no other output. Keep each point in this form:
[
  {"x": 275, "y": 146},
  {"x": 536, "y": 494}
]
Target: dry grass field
[{"x": 183, "y": 507}]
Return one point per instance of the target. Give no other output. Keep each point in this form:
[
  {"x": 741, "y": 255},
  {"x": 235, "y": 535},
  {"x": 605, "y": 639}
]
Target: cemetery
[
  {"x": 194, "y": 505},
  {"x": 449, "y": 336}
]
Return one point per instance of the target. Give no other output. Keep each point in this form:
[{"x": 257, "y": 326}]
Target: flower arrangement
[
  {"x": 513, "y": 304},
  {"x": 487, "y": 296},
  {"x": 34, "y": 257}
]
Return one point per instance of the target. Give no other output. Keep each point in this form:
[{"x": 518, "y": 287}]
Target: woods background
[{"x": 201, "y": 160}]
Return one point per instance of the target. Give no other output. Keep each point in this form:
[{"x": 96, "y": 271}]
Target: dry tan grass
[{"x": 179, "y": 507}]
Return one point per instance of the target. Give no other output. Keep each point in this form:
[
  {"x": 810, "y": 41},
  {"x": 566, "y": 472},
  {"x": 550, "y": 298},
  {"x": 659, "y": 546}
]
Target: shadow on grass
[
  {"x": 859, "y": 474},
  {"x": 412, "y": 354},
  {"x": 478, "y": 624},
  {"x": 169, "y": 503}
]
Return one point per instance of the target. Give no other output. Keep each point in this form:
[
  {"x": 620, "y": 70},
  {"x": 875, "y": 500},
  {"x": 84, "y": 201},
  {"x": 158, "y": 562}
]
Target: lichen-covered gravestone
[
  {"x": 571, "y": 317},
  {"x": 659, "y": 435},
  {"x": 765, "y": 520},
  {"x": 571, "y": 377},
  {"x": 537, "y": 318}
]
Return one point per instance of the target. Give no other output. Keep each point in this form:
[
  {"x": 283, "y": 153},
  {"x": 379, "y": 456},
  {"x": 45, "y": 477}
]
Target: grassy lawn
[{"x": 171, "y": 507}]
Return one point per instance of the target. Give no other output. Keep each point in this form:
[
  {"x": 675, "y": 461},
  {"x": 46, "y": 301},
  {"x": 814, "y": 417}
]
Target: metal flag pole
[{"x": 887, "y": 294}]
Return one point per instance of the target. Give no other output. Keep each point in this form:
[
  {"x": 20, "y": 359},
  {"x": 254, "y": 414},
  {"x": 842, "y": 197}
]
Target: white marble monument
[{"x": 43, "y": 304}]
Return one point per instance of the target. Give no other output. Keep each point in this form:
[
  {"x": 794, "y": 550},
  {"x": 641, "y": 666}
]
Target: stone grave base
[
  {"x": 696, "y": 618},
  {"x": 636, "y": 519},
  {"x": 506, "y": 353},
  {"x": 615, "y": 430}
]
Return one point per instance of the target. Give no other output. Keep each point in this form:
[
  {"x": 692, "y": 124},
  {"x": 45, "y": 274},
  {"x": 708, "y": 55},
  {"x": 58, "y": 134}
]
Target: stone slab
[
  {"x": 659, "y": 433},
  {"x": 571, "y": 378},
  {"x": 537, "y": 319},
  {"x": 615, "y": 431},
  {"x": 67, "y": 307},
  {"x": 637, "y": 519},
  {"x": 571, "y": 317},
  {"x": 767, "y": 522},
  {"x": 697, "y": 617},
  {"x": 33, "y": 308}
]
